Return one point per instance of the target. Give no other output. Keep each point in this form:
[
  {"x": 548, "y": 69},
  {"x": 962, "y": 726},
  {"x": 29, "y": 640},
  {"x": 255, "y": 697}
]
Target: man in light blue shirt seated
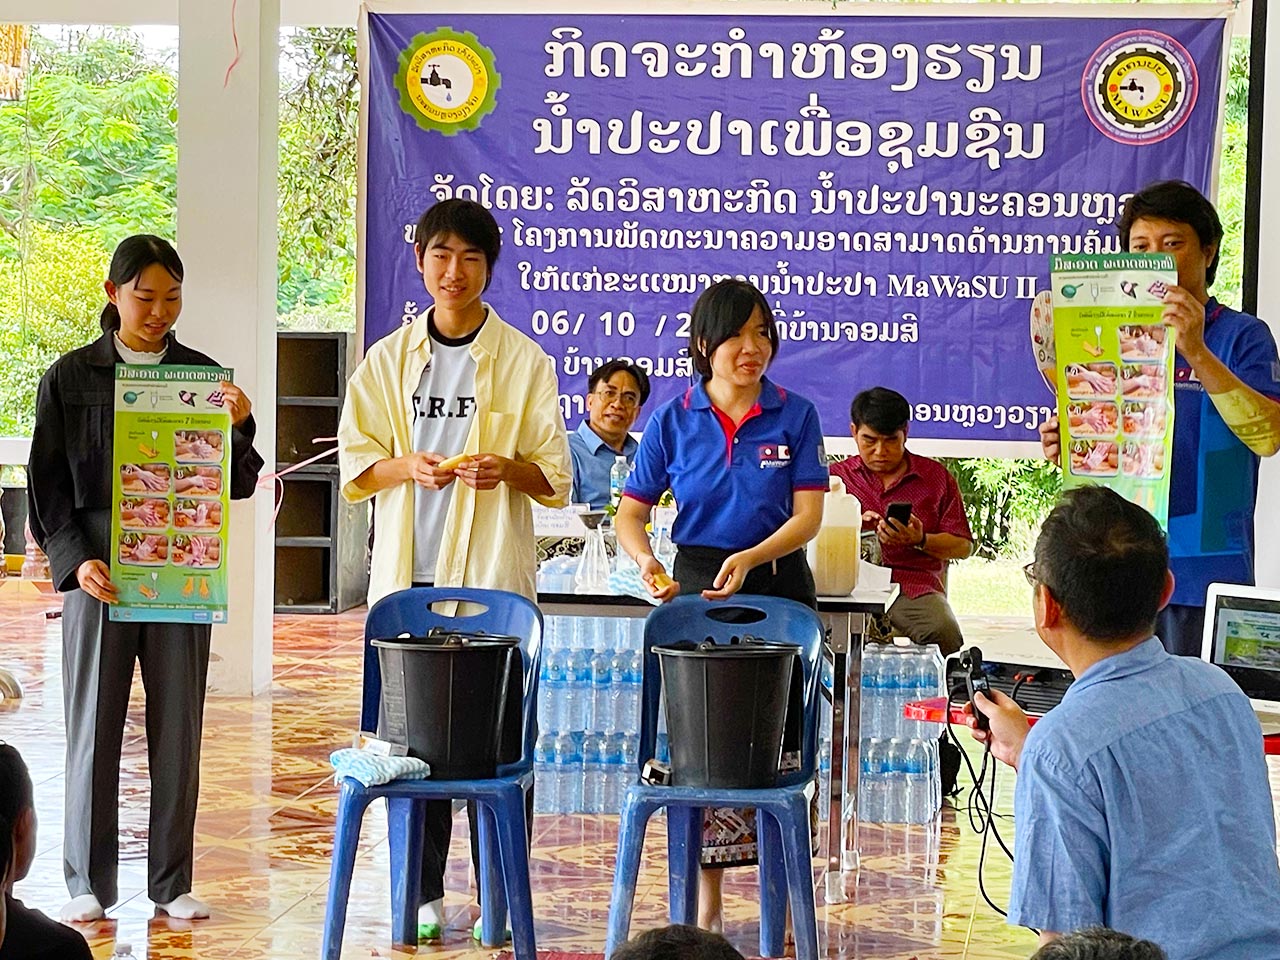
[
  {"x": 1142, "y": 801},
  {"x": 615, "y": 393}
]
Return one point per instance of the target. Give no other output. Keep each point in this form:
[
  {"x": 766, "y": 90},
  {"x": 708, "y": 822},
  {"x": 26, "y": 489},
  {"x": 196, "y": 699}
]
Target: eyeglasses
[
  {"x": 1033, "y": 577},
  {"x": 609, "y": 396}
]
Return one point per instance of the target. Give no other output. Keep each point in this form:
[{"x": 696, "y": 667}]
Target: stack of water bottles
[
  {"x": 899, "y": 779},
  {"x": 588, "y": 714}
]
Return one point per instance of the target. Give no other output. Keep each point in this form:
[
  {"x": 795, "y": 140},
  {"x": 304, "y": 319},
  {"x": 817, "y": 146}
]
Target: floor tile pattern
[{"x": 265, "y": 828}]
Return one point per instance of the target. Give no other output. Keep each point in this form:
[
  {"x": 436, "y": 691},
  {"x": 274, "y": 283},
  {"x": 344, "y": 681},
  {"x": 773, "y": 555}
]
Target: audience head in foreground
[
  {"x": 1099, "y": 943},
  {"x": 1142, "y": 799},
  {"x": 677, "y": 942},
  {"x": 25, "y": 934}
]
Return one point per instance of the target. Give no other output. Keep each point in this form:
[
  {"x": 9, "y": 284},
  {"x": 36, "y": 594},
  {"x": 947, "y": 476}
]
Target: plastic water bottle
[
  {"x": 885, "y": 687},
  {"x": 602, "y": 718},
  {"x": 919, "y": 785},
  {"x": 870, "y": 691},
  {"x": 896, "y": 795},
  {"x": 615, "y": 772},
  {"x": 872, "y": 782},
  {"x": 552, "y": 699},
  {"x": 544, "y": 773},
  {"x": 618, "y": 474},
  {"x": 635, "y": 683},
  {"x": 568, "y": 773},
  {"x": 593, "y": 753},
  {"x": 577, "y": 683},
  {"x": 918, "y": 684}
]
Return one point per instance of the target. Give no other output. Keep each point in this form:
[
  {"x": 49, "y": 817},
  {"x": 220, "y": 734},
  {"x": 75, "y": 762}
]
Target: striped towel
[
  {"x": 628, "y": 583},
  {"x": 372, "y": 769}
]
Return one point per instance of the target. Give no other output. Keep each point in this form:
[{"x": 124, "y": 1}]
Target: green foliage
[
  {"x": 46, "y": 309},
  {"x": 1004, "y": 498},
  {"x": 93, "y": 144},
  {"x": 319, "y": 114}
]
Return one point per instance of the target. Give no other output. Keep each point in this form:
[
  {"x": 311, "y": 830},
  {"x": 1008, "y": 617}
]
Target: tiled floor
[{"x": 264, "y": 833}]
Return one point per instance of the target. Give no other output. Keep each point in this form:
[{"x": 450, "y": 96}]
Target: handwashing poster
[
  {"x": 170, "y": 494},
  {"x": 1114, "y": 373}
]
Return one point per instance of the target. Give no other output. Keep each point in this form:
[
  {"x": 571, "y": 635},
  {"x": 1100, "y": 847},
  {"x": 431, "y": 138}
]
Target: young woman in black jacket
[{"x": 69, "y": 490}]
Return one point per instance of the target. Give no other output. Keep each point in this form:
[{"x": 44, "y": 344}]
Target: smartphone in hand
[{"x": 900, "y": 512}]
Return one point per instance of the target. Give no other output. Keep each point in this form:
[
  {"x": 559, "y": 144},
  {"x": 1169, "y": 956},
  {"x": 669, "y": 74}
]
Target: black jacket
[{"x": 69, "y": 473}]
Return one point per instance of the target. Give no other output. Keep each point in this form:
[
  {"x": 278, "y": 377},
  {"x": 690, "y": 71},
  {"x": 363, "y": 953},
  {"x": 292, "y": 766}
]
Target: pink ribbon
[{"x": 276, "y": 478}]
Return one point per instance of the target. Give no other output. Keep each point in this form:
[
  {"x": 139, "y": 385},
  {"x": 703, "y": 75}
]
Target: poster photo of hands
[
  {"x": 170, "y": 496},
  {"x": 1114, "y": 373}
]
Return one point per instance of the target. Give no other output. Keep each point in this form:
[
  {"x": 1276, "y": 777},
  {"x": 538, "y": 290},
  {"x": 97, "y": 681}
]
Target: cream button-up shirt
[{"x": 488, "y": 537}]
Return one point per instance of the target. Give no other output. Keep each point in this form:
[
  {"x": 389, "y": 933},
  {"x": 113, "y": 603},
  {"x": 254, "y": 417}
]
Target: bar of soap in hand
[
  {"x": 453, "y": 463},
  {"x": 661, "y": 581}
]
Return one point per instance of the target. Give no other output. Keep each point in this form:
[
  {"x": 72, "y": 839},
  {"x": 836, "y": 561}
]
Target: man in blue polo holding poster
[{"x": 1226, "y": 407}]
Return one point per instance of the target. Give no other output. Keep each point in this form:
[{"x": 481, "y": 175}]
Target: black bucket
[
  {"x": 446, "y": 696},
  {"x": 726, "y": 707}
]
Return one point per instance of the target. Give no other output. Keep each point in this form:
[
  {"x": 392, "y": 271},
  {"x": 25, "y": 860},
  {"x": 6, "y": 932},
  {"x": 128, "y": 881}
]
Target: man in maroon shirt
[{"x": 917, "y": 551}]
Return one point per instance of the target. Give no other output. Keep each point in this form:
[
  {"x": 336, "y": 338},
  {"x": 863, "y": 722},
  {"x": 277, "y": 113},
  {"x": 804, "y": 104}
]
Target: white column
[
  {"x": 1267, "y": 521},
  {"x": 227, "y": 144}
]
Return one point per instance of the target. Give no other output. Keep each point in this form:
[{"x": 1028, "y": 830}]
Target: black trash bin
[
  {"x": 726, "y": 706},
  {"x": 446, "y": 696}
]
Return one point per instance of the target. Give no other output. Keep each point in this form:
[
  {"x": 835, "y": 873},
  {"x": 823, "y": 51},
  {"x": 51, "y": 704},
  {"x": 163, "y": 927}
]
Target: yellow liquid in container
[{"x": 833, "y": 553}]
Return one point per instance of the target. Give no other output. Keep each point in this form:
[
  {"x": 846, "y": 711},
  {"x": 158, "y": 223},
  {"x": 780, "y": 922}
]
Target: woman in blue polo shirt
[{"x": 745, "y": 461}]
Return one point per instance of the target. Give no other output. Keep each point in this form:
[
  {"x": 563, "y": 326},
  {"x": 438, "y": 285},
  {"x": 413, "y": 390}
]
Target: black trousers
[
  {"x": 788, "y": 577},
  {"x": 435, "y": 851}
]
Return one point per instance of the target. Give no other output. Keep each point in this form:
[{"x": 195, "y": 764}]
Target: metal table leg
[{"x": 845, "y": 655}]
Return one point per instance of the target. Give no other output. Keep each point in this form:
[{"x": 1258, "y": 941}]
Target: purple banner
[{"x": 895, "y": 185}]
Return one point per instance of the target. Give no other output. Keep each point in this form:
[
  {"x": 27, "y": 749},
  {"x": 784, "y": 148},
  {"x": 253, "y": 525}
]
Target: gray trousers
[
  {"x": 97, "y": 672},
  {"x": 927, "y": 619}
]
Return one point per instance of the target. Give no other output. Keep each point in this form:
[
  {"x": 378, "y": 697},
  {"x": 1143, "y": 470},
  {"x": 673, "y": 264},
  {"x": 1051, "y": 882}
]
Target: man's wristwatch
[{"x": 923, "y": 537}]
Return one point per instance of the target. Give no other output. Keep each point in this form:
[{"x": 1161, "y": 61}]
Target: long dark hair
[{"x": 132, "y": 256}]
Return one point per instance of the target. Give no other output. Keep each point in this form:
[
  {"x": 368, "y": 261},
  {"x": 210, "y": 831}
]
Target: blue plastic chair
[
  {"x": 501, "y": 801},
  {"x": 782, "y": 812}
]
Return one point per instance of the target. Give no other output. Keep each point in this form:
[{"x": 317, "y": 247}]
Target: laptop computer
[{"x": 1242, "y": 636}]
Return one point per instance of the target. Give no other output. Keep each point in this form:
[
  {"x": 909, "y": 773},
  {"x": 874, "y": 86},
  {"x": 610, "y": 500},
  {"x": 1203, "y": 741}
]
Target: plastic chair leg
[
  {"x": 352, "y": 800},
  {"x": 493, "y": 899},
  {"x": 684, "y": 855},
  {"x": 405, "y": 824},
  {"x": 793, "y": 818},
  {"x": 773, "y": 886},
  {"x": 631, "y": 829},
  {"x": 512, "y": 844}
]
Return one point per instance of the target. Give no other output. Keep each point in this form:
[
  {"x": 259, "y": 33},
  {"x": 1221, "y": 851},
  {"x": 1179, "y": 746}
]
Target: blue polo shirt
[
  {"x": 1142, "y": 804},
  {"x": 1214, "y": 484},
  {"x": 593, "y": 459},
  {"x": 732, "y": 482}
]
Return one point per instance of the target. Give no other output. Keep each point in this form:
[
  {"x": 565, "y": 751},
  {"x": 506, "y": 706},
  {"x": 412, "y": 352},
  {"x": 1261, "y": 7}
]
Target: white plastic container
[{"x": 833, "y": 553}]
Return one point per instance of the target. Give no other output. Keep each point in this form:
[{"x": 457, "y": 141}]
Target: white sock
[
  {"x": 185, "y": 907},
  {"x": 432, "y": 912},
  {"x": 82, "y": 909}
]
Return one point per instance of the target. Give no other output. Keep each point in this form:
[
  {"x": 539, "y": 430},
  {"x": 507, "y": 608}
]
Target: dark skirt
[{"x": 729, "y": 833}]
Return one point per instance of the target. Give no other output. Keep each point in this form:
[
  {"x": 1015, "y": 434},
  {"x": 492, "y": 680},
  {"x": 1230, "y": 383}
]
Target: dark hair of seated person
[
  {"x": 677, "y": 942},
  {"x": 883, "y": 410},
  {"x": 1099, "y": 943},
  {"x": 1104, "y": 560}
]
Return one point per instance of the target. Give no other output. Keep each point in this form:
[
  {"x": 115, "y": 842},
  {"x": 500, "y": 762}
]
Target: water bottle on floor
[
  {"x": 544, "y": 772},
  {"x": 870, "y": 711},
  {"x": 593, "y": 753},
  {"x": 602, "y": 719},
  {"x": 872, "y": 783},
  {"x": 554, "y": 664},
  {"x": 918, "y": 784},
  {"x": 578, "y": 675},
  {"x": 896, "y": 774},
  {"x": 568, "y": 775},
  {"x": 885, "y": 688},
  {"x": 615, "y": 772}
]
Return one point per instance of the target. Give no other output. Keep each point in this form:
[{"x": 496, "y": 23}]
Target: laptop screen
[{"x": 1242, "y": 636}]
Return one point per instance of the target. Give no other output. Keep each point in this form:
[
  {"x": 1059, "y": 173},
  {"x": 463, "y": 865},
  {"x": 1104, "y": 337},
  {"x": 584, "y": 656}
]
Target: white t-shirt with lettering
[{"x": 443, "y": 407}]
